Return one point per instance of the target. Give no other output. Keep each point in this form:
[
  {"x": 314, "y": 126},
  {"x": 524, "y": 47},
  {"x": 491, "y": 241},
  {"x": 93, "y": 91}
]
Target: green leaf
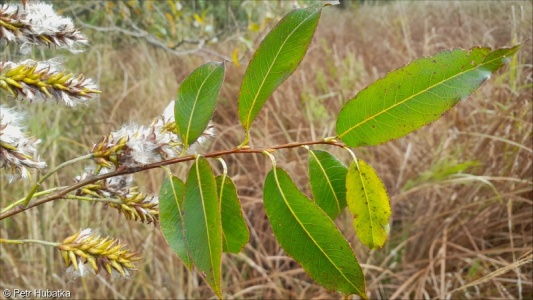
[
  {"x": 235, "y": 232},
  {"x": 369, "y": 203},
  {"x": 203, "y": 227},
  {"x": 170, "y": 205},
  {"x": 196, "y": 101},
  {"x": 417, "y": 94},
  {"x": 275, "y": 60},
  {"x": 309, "y": 235},
  {"x": 327, "y": 176}
]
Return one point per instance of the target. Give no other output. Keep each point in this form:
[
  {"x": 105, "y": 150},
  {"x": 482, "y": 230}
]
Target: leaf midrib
[
  {"x": 178, "y": 205},
  {"x": 337, "y": 202},
  {"x": 415, "y": 95},
  {"x": 360, "y": 173},
  {"x": 194, "y": 107},
  {"x": 220, "y": 196},
  {"x": 174, "y": 192},
  {"x": 307, "y": 232},
  {"x": 270, "y": 68},
  {"x": 206, "y": 225}
]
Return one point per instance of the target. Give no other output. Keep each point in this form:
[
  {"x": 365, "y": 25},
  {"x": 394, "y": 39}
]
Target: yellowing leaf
[
  {"x": 172, "y": 5},
  {"x": 369, "y": 203},
  {"x": 169, "y": 17},
  {"x": 198, "y": 19},
  {"x": 235, "y": 58},
  {"x": 149, "y": 5},
  {"x": 253, "y": 27},
  {"x": 172, "y": 23}
]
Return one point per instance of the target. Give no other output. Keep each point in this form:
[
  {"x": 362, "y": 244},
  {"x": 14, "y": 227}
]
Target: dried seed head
[
  {"x": 17, "y": 150},
  {"x": 135, "y": 145},
  {"x": 38, "y": 24},
  {"x": 133, "y": 204},
  {"x": 87, "y": 250},
  {"x": 12, "y": 24},
  {"x": 38, "y": 81},
  {"x": 139, "y": 206}
]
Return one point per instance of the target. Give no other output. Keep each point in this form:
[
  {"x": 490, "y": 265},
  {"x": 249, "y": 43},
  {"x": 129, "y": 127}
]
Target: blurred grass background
[{"x": 461, "y": 188}]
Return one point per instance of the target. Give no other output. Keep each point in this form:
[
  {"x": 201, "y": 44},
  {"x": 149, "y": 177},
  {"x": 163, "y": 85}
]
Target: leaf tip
[
  {"x": 221, "y": 64},
  {"x": 332, "y": 2}
]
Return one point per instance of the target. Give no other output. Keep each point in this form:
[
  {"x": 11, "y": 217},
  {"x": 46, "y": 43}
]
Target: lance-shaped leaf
[
  {"x": 369, "y": 203},
  {"x": 327, "y": 176},
  {"x": 309, "y": 235},
  {"x": 275, "y": 60},
  {"x": 235, "y": 232},
  {"x": 170, "y": 212},
  {"x": 202, "y": 224},
  {"x": 417, "y": 94},
  {"x": 196, "y": 101}
]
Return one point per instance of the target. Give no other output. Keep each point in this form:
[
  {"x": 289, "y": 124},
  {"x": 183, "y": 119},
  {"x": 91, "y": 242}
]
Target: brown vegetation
[{"x": 461, "y": 188}]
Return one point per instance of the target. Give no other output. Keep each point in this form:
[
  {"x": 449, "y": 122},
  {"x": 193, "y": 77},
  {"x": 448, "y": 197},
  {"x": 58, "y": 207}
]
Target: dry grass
[{"x": 461, "y": 188}]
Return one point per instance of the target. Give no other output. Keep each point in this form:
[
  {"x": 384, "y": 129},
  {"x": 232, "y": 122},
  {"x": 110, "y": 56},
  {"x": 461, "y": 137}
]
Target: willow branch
[
  {"x": 50, "y": 173},
  {"x": 122, "y": 171}
]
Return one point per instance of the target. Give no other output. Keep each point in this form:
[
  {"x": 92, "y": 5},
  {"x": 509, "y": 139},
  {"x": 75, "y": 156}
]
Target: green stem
[
  {"x": 353, "y": 156},
  {"x": 272, "y": 158},
  {"x": 246, "y": 140},
  {"x": 5, "y": 241},
  {"x": 50, "y": 173},
  {"x": 224, "y": 169},
  {"x": 167, "y": 170},
  {"x": 42, "y": 193},
  {"x": 72, "y": 197}
]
